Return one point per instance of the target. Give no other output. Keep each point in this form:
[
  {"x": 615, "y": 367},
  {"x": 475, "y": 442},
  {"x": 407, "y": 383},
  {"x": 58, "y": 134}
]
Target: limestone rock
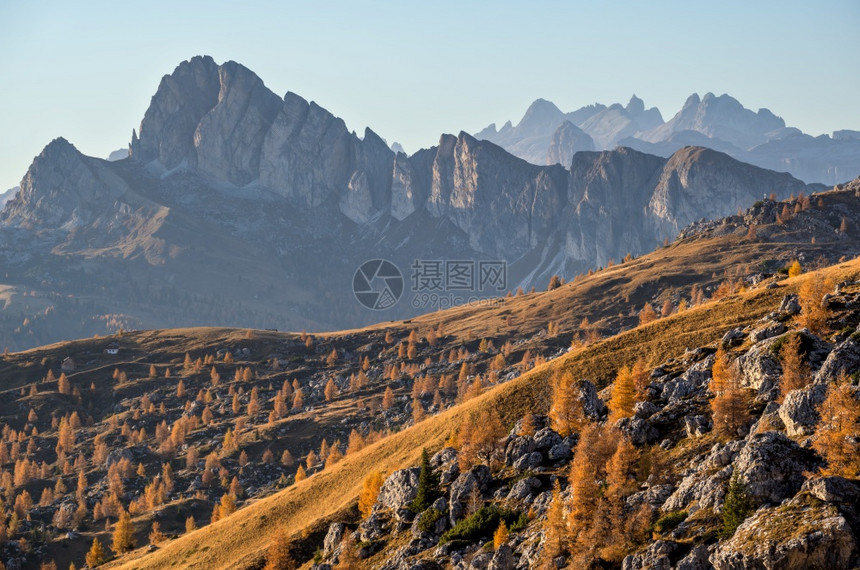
[
  {"x": 799, "y": 534},
  {"x": 772, "y": 466},
  {"x": 790, "y": 305},
  {"x": 170, "y": 123},
  {"x": 503, "y": 559},
  {"x": 844, "y": 358},
  {"x": 834, "y": 490},
  {"x": 399, "y": 489},
  {"x": 333, "y": 538},
  {"x": 760, "y": 368},
  {"x": 798, "y": 411}
]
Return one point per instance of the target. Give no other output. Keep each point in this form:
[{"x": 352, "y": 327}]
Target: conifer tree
[
  {"x": 794, "y": 269},
  {"x": 301, "y": 474},
  {"x": 428, "y": 485},
  {"x": 737, "y": 506},
  {"x": 813, "y": 315},
  {"x": 500, "y": 537},
  {"x": 566, "y": 414},
  {"x": 554, "y": 531},
  {"x": 583, "y": 481},
  {"x": 641, "y": 379},
  {"x": 387, "y": 398},
  {"x": 330, "y": 390}
]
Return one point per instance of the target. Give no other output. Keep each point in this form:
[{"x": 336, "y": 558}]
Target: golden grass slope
[{"x": 240, "y": 540}]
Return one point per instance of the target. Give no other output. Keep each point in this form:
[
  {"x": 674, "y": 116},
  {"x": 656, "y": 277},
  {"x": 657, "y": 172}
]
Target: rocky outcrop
[
  {"x": 799, "y": 534},
  {"x": 843, "y": 359},
  {"x": 799, "y": 412},
  {"x": 772, "y": 467},
  {"x": 693, "y": 176},
  {"x": 398, "y": 490}
]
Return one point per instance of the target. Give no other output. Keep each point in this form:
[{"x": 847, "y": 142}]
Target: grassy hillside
[{"x": 240, "y": 540}]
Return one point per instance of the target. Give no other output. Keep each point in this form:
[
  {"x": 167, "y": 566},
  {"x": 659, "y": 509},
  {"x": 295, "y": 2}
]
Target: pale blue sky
[{"x": 411, "y": 71}]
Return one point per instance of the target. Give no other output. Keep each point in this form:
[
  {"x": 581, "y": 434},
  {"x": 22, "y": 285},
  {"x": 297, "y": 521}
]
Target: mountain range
[
  {"x": 239, "y": 207},
  {"x": 546, "y": 135},
  {"x": 181, "y": 427}
]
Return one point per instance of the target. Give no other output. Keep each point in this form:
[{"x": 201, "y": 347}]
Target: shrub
[
  {"x": 481, "y": 525},
  {"x": 669, "y": 521},
  {"x": 428, "y": 519}
]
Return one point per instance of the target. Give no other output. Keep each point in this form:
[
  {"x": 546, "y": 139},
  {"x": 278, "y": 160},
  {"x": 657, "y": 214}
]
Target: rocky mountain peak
[
  {"x": 541, "y": 115},
  {"x": 62, "y": 188},
  {"x": 567, "y": 140},
  {"x": 635, "y": 106},
  {"x": 166, "y": 133}
]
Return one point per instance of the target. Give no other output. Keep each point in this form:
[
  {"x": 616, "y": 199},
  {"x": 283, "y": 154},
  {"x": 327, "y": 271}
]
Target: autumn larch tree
[
  {"x": 298, "y": 400},
  {"x": 554, "y": 532},
  {"x": 794, "y": 269},
  {"x": 96, "y": 555},
  {"x": 301, "y": 474},
  {"x": 583, "y": 482},
  {"x": 500, "y": 537},
  {"x": 278, "y": 554},
  {"x": 478, "y": 440},
  {"x": 623, "y": 396},
  {"x": 565, "y": 413},
  {"x": 729, "y": 405},
  {"x": 387, "y": 398},
  {"x": 369, "y": 492},
  {"x": 795, "y": 371},
  {"x": 647, "y": 314},
  {"x": 330, "y": 390},
  {"x": 641, "y": 379},
  {"x": 813, "y": 315},
  {"x": 620, "y": 483},
  {"x": 837, "y": 436},
  {"x": 123, "y": 534}
]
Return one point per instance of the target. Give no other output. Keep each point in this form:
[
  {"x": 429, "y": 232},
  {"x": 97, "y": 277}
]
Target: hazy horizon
[{"x": 410, "y": 74}]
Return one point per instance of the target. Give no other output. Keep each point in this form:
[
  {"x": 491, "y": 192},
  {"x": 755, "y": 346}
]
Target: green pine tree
[
  {"x": 737, "y": 506},
  {"x": 428, "y": 486}
]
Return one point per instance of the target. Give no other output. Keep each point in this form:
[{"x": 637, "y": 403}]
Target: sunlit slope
[{"x": 240, "y": 541}]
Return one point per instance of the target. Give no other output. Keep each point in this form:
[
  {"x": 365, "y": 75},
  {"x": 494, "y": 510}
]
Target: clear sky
[{"x": 413, "y": 70}]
